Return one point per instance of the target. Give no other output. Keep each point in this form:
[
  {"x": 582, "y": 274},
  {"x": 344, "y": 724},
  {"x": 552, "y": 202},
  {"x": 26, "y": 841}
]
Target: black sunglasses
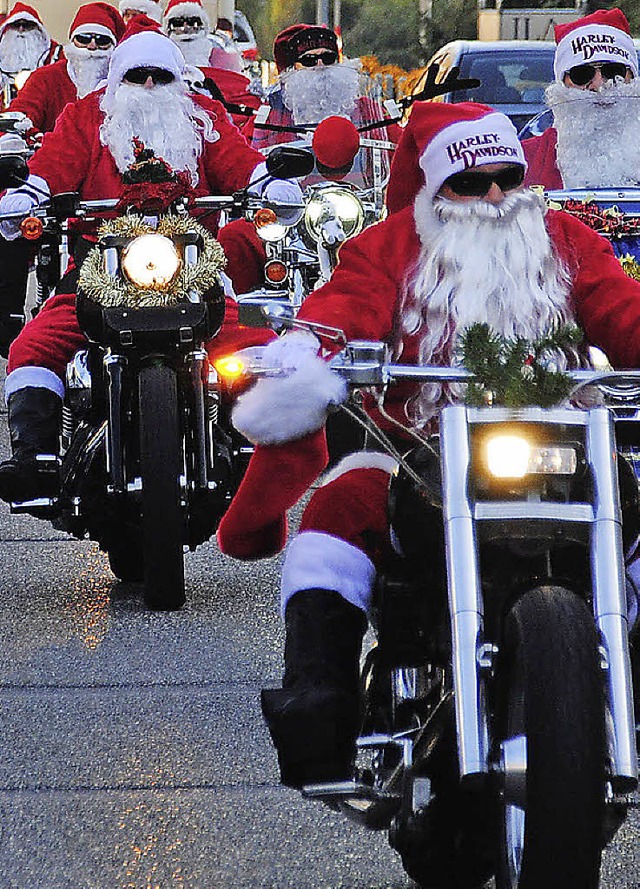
[
  {"x": 581, "y": 75},
  {"x": 157, "y": 75},
  {"x": 101, "y": 40},
  {"x": 193, "y": 21},
  {"x": 327, "y": 58},
  {"x": 477, "y": 184}
]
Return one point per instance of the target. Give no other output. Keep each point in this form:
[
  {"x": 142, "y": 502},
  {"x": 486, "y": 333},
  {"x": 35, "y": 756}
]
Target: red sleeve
[
  {"x": 606, "y": 300},
  {"x": 32, "y": 99},
  {"x": 361, "y": 296},
  {"x": 540, "y": 154},
  {"x": 64, "y": 159},
  {"x": 230, "y": 160}
]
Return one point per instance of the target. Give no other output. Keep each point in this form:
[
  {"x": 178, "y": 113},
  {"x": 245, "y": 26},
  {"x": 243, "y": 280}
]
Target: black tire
[
  {"x": 160, "y": 468},
  {"x": 126, "y": 559},
  {"x": 551, "y": 691}
]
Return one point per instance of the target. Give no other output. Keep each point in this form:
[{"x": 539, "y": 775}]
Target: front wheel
[
  {"x": 551, "y": 722},
  {"x": 160, "y": 468}
]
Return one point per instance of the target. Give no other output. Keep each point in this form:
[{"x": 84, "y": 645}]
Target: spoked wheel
[
  {"x": 160, "y": 468},
  {"x": 552, "y": 745}
]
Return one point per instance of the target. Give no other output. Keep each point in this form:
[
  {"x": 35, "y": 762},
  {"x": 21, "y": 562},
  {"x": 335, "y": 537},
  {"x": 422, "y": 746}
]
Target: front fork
[{"x": 466, "y": 604}]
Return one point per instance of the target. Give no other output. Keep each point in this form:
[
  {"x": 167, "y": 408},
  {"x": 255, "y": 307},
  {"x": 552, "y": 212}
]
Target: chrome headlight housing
[
  {"x": 344, "y": 203},
  {"x": 151, "y": 262}
]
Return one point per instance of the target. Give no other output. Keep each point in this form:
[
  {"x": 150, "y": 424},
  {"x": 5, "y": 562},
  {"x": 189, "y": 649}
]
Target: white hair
[
  {"x": 598, "y": 143},
  {"x": 312, "y": 94},
  {"x": 22, "y": 50},
  {"x": 87, "y": 67},
  {"x": 479, "y": 262},
  {"x": 164, "y": 118}
]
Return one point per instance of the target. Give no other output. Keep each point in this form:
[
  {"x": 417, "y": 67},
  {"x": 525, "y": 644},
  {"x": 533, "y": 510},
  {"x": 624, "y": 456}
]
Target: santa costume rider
[
  {"x": 90, "y": 149},
  {"x": 470, "y": 245},
  {"x": 25, "y": 43},
  {"x": 595, "y": 99}
]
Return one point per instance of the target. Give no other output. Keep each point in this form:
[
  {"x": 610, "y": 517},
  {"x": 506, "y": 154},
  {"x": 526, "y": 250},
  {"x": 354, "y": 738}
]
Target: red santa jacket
[
  {"x": 235, "y": 89},
  {"x": 45, "y": 94},
  {"x": 362, "y": 296},
  {"x": 73, "y": 158},
  {"x": 540, "y": 154}
]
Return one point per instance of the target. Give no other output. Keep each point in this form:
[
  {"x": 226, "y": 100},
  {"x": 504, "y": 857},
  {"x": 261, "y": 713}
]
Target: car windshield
[{"x": 507, "y": 78}]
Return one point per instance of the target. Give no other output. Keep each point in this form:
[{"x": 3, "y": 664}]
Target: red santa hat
[
  {"x": 21, "y": 12},
  {"x": 143, "y": 46},
  {"x": 187, "y": 8},
  {"x": 296, "y": 40},
  {"x": 152, "y": 8},
  {"x": 603, "y": 36},
  {"x": 441, "y": 139},
  {"x": 97, "y": 18}
]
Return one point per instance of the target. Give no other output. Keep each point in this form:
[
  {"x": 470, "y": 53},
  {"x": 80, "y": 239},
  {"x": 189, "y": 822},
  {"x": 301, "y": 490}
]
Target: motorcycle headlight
[
  {"x": 346, "y": 206},
  {"x": 513, "y": 457},
  {"x": 152, "y": 262}
]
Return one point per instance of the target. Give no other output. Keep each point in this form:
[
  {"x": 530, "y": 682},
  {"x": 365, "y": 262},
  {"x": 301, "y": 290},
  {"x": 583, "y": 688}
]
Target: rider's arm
[
  {"x": 362, "y": 295},
  {"x": 606, "y": 300},
  {"x": 65, "y": 156},
  {"x": 230, "y": 160}
]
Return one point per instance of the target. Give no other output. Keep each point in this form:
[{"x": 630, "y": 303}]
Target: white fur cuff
[
  {"x": 284, "y": 408},
  {"x": 320, "y": 561}
]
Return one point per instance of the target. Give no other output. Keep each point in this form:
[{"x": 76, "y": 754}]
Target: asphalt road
[{"x": 133, "y": 753}]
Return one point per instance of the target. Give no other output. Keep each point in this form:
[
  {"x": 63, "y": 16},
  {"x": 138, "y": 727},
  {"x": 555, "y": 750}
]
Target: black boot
[
  {"x": 34, "y": 416},
  {"x": 314, "y": 718}
]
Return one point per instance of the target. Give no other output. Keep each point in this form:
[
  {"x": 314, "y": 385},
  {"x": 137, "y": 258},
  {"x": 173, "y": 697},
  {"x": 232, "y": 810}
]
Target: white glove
[
  {"x": 20, "y": 202},
  {"x": 280, "y": 191},
  {"x": 284, "y": 408}
]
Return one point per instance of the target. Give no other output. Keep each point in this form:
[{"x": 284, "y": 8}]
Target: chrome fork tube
[
  {"x": 114, "y": 366},
  {"x": 465, "y": 596},
  {"x": 196, "y": 362},
  {"x": 609, "y": 596}
]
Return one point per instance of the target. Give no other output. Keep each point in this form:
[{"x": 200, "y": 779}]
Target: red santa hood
[
  {"x": 97, "y": 18},
  {"x": 603, "y": 36},
  {"x": 176, "y": 8},
  {"x": 152, "y": 8},
  {"x": 441, "y": 139},
  {"x": 22, "y": 12}
]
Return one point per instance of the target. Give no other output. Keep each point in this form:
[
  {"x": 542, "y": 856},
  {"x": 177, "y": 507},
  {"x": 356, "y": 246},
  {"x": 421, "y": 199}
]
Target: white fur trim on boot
[
  {"x": 288, "y": 406},
  {"x": 320, "y": 561},
  {"x": 34, "y": 377}
]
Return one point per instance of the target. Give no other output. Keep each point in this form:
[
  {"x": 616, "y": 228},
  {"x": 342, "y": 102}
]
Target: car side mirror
[{"x": 288, "y": 162}]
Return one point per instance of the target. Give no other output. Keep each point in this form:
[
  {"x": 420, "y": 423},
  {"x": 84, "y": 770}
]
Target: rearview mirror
[
  {"x": 13, "y": 171},
  {"x": 288, "y": 162}
]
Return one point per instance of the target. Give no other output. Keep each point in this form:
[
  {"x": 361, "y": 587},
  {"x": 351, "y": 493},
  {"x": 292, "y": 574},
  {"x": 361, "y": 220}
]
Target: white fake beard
[
  {"x": 195, "y": 49},
  {"x": 22, "y": 51},
  {"x": 311, "y": 94},
  {"x": 480, "y": 263},
  {"x": 598, "y": 144},
  {"x": 164, "y": 118},
  {"x": 87, "y": 67}
]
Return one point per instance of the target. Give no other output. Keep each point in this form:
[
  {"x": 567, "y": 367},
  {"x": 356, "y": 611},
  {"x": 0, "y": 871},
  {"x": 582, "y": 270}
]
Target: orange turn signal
[
  {"x": 264, "y": 216},
  {"x": 275, "y": 271},
  {"x": 31, "y": 228},
  {"x": 230, "y": 367}
]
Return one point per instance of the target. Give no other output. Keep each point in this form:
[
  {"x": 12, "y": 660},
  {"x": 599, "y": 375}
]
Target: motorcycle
[
  {"x": 498, "y": 733},
  {"x": 149, "y": 459}
]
